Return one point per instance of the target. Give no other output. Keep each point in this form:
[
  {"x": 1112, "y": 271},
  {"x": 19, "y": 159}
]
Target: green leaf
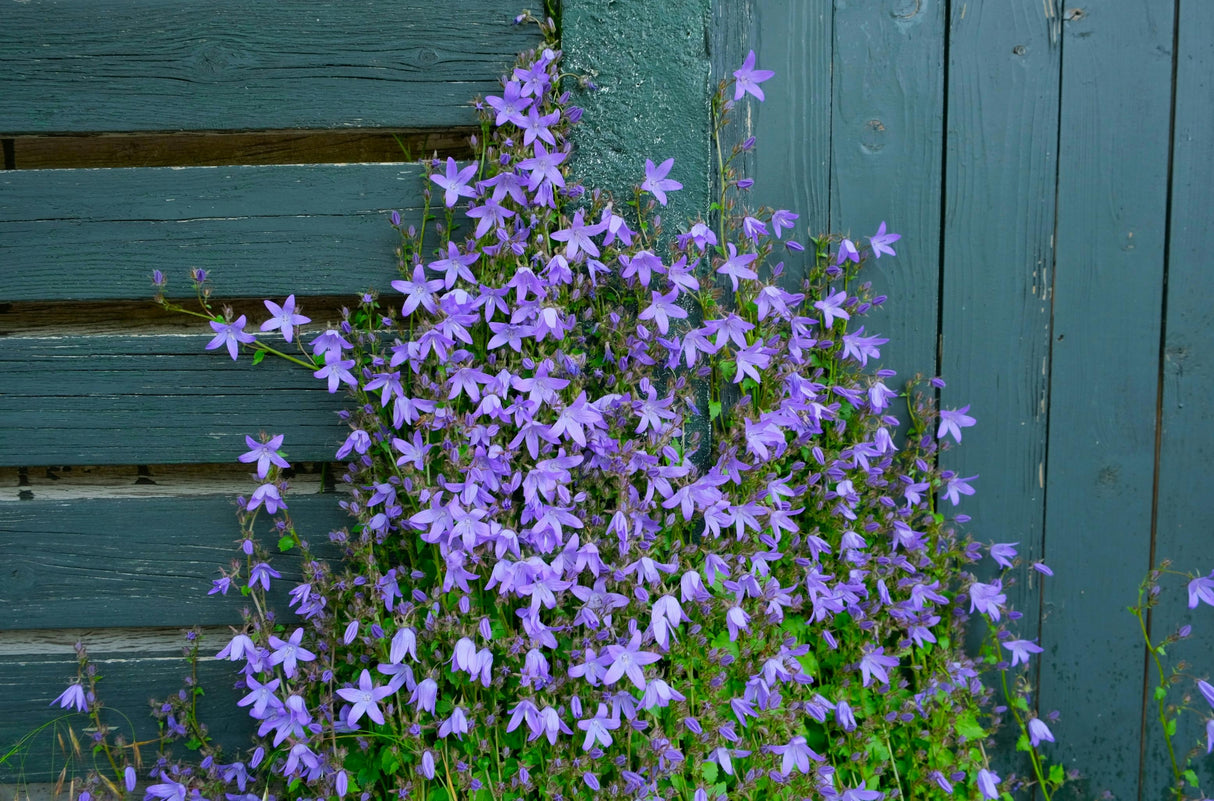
[
  {"x": 967, "y": 725},
  {"x": 1057, "y": 773},
  {"x": 709, "y": 771},
  {"x": 286, "y": 543},
  {"x": 728, "y": 368},
  {"x": 1191, "y": 777},
  {"x": 1160, "y": 693},
  {"x": 1170, "y": 728},
  {"x": 1022, "y": 743},
  {"x": 714, "y": 410},
  {"x": 258, "y": 356}
]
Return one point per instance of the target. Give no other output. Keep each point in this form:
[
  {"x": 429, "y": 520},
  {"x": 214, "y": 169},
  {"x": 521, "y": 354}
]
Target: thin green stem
[{"x": 1161, "y": 696}]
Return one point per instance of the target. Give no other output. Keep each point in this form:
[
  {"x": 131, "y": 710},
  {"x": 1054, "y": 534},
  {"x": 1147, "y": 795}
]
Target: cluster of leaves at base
[{"x": 551, "y": 586}]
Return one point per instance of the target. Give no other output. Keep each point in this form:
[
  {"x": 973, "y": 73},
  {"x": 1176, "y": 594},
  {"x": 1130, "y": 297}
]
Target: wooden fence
[
  {"x": 1049, "y": 167},
  {"x": 260, "y": 141}
]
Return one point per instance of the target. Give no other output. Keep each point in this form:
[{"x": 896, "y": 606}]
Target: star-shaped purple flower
[
  {"x": 284, "y": 318},
  {"x": 455, "y": 183},
  {"x": 365, "y": 699},
  {"x": 264, "y": 453},
  {"x": 881, "y": 241},
  {"x": 656, "y": 181},
  {"x": 747, "y": 79},
  {"x": 230, "y": 334}
]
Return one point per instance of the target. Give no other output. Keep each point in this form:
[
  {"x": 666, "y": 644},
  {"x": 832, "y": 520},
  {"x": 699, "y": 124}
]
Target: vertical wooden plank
[
  {"x": 887, "y": 131},
  {"x": 1185, "y": 520},
  {"x": 791, "y": 161},
  {"x": 1112, "y": 178},
  {"x": 1000, "y": 169}
]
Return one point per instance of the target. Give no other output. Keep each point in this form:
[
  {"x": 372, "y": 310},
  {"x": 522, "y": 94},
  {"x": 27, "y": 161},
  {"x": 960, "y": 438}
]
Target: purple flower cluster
[
  {"x": 552, "y": 585},
  {"x": 543, "y": 546}
]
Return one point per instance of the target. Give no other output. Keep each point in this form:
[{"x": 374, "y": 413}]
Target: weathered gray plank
[
  {"x": 998, "y": 263},
  {"x": 154, "y": 399},
  {"x": 1185, "y": 519},
  {"x": 139, "y": 561},
  {"x": 1113, "y": 161},
  {"x": 887, "y": 141},
  {"x": 29, "y": 685},
  {"x": 74, "y": 66},
  {"x": 263, "y": 230}
]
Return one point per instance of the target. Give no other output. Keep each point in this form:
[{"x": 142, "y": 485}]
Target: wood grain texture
[
  {"x": 887, "y": 142},
  {"x": 150, "y": 400},
  {"x": 30, "y": 683},
  {"x": 139, "y": 561},
  {"x": 261, "y": 231},
  {"x": 160, "y": 65},
  {"x": 1185, "y": 519},
  {"x": 792, "y": 157},
  {"x": 1112, "y": 204},
  {"x": 62, "y": 642},
  {"x": 228, "y": 148}
]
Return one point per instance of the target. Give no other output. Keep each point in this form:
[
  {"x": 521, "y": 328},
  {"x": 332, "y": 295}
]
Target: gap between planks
[
  {"x": 217, "y": 149},
  {"x": 75, "y": 482},
  {"x": 94, "y": 318}
]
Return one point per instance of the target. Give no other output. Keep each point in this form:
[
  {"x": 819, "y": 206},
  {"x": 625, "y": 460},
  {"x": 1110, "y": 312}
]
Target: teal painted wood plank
[
  {"x": 154, "y": 400},
  {"x": 160, "y": 65},
  {"x": 1185, "y": 519},
  {"x": 792, "y": 156},
  {"x": 29, "y": 684},
  {"x": 887, "y": 141},
  {"x": 129, "y": 562},
  {"x": 1113, "y": 161},
  {"x": 999, "y": 223},
  {"x": 261, "y": 231}
]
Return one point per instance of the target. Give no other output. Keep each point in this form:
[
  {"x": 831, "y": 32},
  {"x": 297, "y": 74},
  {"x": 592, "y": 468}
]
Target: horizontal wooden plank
[
  {"x": 154, "y": 400},
  {"x": 62, "y": 642},
  {"x": 29, "y": 684},
  {"x": 244, "y": 147},
  {"x": 139, "y": 561},
  {"x": 161, "y": 65},
  {"x": 98, "y": 234}
]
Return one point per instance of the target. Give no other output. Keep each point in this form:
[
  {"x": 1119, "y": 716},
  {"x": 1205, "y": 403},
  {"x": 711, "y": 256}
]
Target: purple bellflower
[
  {"x": 656, "y": 182},
  {"x": 747, "y": 79},
  {"x": 455, "y": 183},
  {"x": 365, "y": 698},
  {"x": 232, "y": 335},
  {"x": 284, "y": 318}
]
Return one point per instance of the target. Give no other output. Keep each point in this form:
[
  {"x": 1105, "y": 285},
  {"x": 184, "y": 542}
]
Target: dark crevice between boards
[
  {"x": 1034, "y": 670},
  {"x": 144, "y": 317},
  {"x": 939, "y": 368},
  {"x": 1147, "y": 690},
  {"x": 79, "y": 482},
  {"x": 230, "y": 148}
]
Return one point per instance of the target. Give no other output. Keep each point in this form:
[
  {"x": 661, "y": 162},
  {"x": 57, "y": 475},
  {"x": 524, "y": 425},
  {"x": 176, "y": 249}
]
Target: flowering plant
[{"x": 552, "y": 585}]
